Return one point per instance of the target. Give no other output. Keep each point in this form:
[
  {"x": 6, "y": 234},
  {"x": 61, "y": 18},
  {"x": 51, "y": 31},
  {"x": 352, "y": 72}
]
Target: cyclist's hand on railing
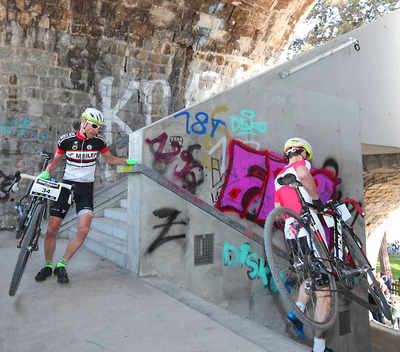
[
  {"x": 131, "y": 161},
  {"x": 319, "y": 206},
  {"x": 45, "y": 175}
]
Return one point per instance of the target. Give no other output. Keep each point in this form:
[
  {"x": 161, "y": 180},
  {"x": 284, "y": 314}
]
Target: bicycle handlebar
[
  {"x": 329, "y": 210},
  {"x": 356, "y": 206},
  {"x": 18, "y": 176}
]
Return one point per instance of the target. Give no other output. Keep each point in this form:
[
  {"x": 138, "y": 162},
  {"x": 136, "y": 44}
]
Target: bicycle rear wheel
[
  {"x": 366, "y": 281},
  {"x": 296, "y": 269},
  {"x": 26, "y": 248}
]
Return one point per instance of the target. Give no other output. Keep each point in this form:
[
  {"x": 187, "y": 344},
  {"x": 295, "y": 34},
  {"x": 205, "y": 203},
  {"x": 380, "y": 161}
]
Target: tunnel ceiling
[
  {"x": 381, "y": 195},
  {"x": 256, "y": 29}
]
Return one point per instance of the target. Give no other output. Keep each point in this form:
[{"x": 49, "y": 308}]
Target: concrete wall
[
  {"x": 247, "y": 290},
  {"x": 226, "y": 150}
]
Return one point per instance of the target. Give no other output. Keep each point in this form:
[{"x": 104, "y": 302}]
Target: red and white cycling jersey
[
  {"x": 286, "y": 195},
  {"x": 81, "y": 155}
]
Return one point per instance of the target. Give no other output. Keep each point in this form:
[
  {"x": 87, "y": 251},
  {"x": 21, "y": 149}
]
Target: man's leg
[
  {"x": 292, "y": 320},
  {"x": 49, "y": 247},
  {"x": 76, "y": 242},
  {"x": 51, "y": 235},
  {"x": 321, "y": 312},
  {"x": 84, "y": 221}
]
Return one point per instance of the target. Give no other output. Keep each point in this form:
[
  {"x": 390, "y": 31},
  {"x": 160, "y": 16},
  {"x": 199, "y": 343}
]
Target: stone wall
[{"x": 137, "y": 60}]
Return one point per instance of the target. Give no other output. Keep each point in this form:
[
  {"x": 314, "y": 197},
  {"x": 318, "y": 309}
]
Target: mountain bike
[
  {"x": 31, "y": 216},
  {"x": 299, "y": 259}
]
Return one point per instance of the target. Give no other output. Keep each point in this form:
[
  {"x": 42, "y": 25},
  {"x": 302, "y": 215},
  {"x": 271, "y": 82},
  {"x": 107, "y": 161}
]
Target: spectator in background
[{"x": 387, "y": 279}]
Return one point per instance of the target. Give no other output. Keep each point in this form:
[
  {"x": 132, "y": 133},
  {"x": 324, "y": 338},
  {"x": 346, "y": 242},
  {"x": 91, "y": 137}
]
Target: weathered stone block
[
  {"x": 31, "y": 147},
  {"x": 25, "y": 18},
  {"x": 49, "y": 82},
  {"x": 72, "y": 111},
  {"x": 36, "y": 93},
  {"x": 58, "y": 72},
  {"x": 7, "y": 53},
  {"x": 36, "y": 56},
  {"x": 3, "y": 13},
  {"x": 39, "y": 70},
  {"x": 82, "y": 98},
  {"x": 35, "y": 108},
  {"x": 17, "y": 106},
  {"x": 52, "y": 109},
  {"x": 60, "y": 96},
  {"x": 108, "y": 10}
]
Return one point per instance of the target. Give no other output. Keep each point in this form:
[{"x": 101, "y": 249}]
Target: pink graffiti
[
  {"x": 159, "y": 154},
  {"x": 249, "y": 183},
  {"x": 186, "y": 174}
]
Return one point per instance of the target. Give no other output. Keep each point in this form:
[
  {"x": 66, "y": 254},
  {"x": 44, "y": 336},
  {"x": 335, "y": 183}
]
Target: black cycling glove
[{"x": 318, "y": 205}]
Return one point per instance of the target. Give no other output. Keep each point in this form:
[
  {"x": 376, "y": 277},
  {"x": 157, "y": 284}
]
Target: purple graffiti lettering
[
  {"x": 159, "y": 154},
  {"x": 249, "y": 189},
  {"x": 187, "y": 172}
]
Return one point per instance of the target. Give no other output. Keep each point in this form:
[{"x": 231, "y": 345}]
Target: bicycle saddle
[{"x": 289, "y": 180}]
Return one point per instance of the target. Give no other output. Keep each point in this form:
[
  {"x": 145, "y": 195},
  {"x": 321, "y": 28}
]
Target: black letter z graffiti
[{"x": 172, "y": 214}]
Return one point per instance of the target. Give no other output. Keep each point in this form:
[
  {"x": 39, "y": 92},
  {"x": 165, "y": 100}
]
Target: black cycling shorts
[{"x": 83, "y": 198}]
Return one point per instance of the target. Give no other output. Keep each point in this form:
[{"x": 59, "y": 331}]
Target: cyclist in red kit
[{"x": 298, "y": 152}]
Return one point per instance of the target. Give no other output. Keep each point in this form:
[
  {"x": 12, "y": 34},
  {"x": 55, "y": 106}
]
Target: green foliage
[
  {"x": 332, "y": 18},
  {"x": 394, "y": 265}
]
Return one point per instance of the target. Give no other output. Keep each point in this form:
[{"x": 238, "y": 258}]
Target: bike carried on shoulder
[
  {"x": 304, "y": 262},
  {"x": 31, "y": 214}
]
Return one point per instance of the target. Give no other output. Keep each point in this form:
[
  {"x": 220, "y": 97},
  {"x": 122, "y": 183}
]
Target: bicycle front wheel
[
  {"x": 366, "y": 281},
  {"x": 26, "y": 248},
  {"x": 296, "y": 264}
]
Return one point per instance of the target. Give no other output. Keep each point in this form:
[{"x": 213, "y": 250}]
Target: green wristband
[
  {"x": 45, "y": 175},
  {"x": 131, "y": 161}
]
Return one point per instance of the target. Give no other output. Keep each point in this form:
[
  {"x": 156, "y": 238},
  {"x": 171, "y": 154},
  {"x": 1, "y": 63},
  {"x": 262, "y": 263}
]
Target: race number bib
[{"x": 46, "y": 189}]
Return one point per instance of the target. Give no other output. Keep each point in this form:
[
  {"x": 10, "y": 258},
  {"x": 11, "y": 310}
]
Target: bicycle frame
[{"x": 40, "y": 190}]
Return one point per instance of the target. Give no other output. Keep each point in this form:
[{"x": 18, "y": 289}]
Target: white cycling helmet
[
  {"x": 294, "y": 144},
  {"x": 93, "y": 115}
]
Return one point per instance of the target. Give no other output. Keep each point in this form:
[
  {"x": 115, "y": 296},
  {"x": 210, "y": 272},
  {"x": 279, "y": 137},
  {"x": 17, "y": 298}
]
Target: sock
[
  {"x": 319, "y": 345},
  {"x": 62, "y": 263},
  {"x": 48, "y": 264},
  {"x": 301, "y": 306}
]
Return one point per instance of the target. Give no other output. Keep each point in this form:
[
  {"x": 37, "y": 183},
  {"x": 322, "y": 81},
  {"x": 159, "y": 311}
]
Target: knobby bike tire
[
  {"x": 361, "y": 261},
  {"x": 25, "y": 250},
  {"x": 287, "y": 275}
]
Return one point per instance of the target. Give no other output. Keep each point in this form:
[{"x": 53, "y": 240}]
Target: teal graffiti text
[{"x": 258, "y": 268}]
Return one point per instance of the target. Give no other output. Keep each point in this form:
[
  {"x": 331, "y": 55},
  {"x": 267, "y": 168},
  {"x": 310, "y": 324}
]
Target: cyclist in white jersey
[
  {"x": 298, "y": 152},
  {"x": 81, "y": 149}
]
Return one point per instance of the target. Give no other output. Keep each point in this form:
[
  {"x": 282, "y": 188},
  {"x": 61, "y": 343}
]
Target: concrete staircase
[{"x": 107, "y": 235}]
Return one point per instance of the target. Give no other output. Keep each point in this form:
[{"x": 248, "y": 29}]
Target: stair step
[
  {"x": 116, "y": 213},
  {"x": 124, "y": 203},
  {"x": 108, "y": 247},
  {"x": 110, "y": 226}
]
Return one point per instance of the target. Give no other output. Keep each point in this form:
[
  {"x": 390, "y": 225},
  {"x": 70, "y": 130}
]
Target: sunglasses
[{"x": 94, "y": 125}]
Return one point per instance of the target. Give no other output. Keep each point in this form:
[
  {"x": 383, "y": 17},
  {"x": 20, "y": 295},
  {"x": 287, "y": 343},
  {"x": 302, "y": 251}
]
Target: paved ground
[{"x": 105, "y": 308}]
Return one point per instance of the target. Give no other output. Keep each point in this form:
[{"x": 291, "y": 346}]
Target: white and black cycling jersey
[{"x": 81, "y": 155}]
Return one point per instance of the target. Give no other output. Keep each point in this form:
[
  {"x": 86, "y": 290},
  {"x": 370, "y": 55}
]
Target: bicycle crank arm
[{"x": 353, "y": 273}]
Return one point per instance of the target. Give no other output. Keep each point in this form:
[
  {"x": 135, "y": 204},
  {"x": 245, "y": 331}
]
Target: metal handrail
[{"x": 189, "y": 197}]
